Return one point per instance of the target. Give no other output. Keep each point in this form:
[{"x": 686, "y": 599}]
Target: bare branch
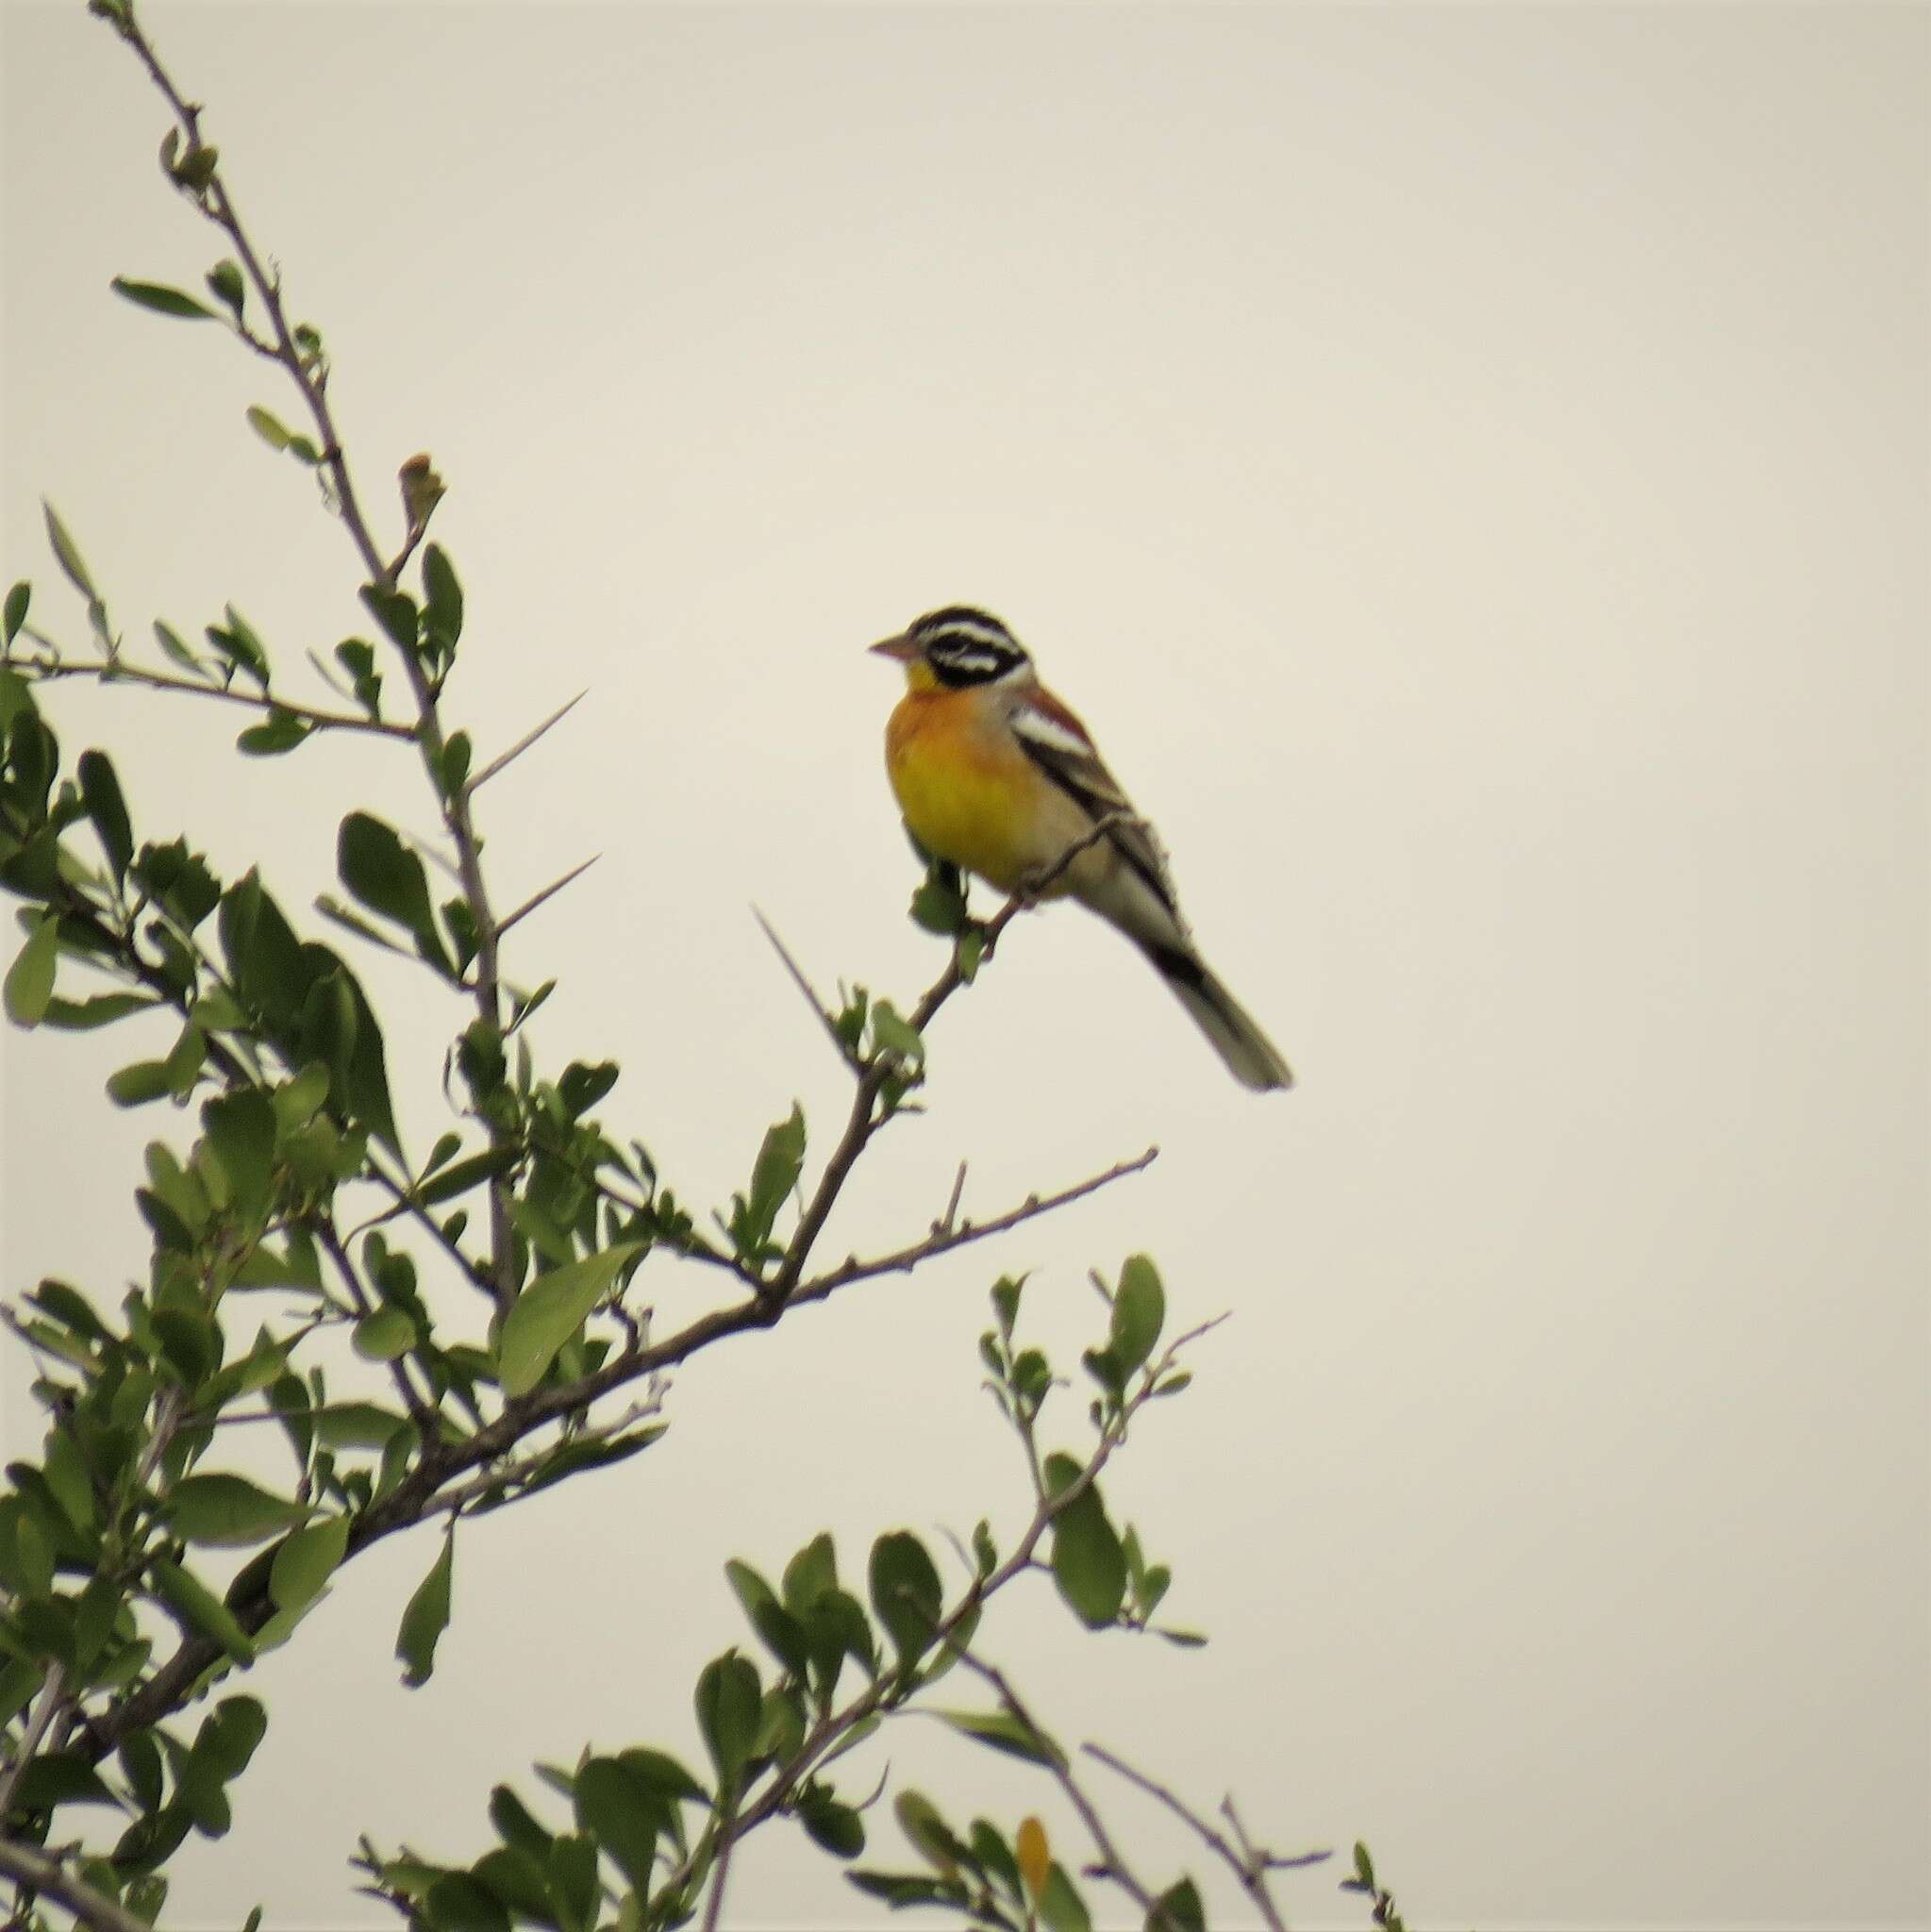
[
  {"x": 46, "y": 1874},
  {"x": 947, "y": 1237},
  {"x": 121, "y": 671},
  {"x": 1113, "y": 1866},
  {"x": 714, "y": 1904},
  {"x": 522, "y": 745},
  {"x": 1251, "y": 1869}
]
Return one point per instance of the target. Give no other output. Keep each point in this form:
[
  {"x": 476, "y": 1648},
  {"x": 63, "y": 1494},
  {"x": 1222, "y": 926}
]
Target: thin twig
[
  {"x": 1113, "y": 1865},
  {"x": 714, "y": 1904},
  {"x": 944, "y": 1239},
  {"x": 120, "y": 672},
  {"x": 45, "y": 1873},
  {"x": 419, "y": 1407},
  {"x": 1252, "y": 1875},
  {"x": 949, "y": 1220},
  {"x": 891, "y": 1689},
  {"x": 522, "y": 745},
  {"x": 510, "y": 1473},
  {"x": 810, "y": 994},
  {"x": 549, "y": 891},
  {"x": 53, "y": 1688}
]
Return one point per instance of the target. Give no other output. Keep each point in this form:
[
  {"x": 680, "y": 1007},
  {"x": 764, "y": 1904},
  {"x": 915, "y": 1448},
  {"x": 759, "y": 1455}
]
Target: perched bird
[{"x": 995, "y": 776}]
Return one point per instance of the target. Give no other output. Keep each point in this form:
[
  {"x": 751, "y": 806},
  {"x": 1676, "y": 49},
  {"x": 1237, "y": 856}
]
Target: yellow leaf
[{"x": 1035, "y": 1857}]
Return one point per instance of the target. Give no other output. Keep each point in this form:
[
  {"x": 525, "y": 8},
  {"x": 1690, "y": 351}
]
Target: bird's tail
[{"x": 1252, "y": 1058}]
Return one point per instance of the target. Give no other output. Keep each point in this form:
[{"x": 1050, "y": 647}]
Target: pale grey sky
[{"x": 1468, "y": 465}]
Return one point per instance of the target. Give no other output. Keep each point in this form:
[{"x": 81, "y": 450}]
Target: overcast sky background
[{"x": 1469, "y": 466}]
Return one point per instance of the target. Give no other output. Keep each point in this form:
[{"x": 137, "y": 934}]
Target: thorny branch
[
  {"x": 894, "y": 1687},
  {"x": 117, "y": 671},
  {"x": 1112, "y": 1865},
  {"x": 443, "y": 1457},
  {"x": 309, "y": 374}
]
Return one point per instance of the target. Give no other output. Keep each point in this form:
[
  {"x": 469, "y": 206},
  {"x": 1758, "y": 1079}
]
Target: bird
[{"x": 997, "y": 777}]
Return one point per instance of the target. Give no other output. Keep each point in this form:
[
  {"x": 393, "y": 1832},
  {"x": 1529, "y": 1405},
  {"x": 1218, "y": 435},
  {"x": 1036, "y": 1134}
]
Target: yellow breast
[{"x": 968, "y": 794}]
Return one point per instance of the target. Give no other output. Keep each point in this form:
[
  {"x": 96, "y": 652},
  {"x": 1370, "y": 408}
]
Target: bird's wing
[{"x": 1053, "y": 736}]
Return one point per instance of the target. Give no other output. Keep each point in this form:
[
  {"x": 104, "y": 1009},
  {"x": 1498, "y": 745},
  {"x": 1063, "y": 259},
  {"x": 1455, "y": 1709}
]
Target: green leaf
[
  {"x": 459, "y": 1903},
  {"x": 103, "y": 1010},
  {"x": 136, "y": 1085},
  {"x": 833, "y": 1826},
  {"x": 661, "y": 1772},
  {"x": 228, "y": 1512},
  {"x": 228, "y": 1737},
  {"x": 240, "y": 1127},
  {"x": 69, "y": 1307},
  {"x": 622, "y": 1813},
  {"x": 238, "y": 643},
  {"x": 29, "y": 983},
  {"x": 1088, "y": 1564},
  {"x": 1006, "y": 1294},
  {"x": 891, "y": 1034},
  {"x": 60, "y": 1777},
  {"x": 297, "y": 1102},
  {"x": 909, "y": 1889},
  {"x": 550, "y": 1310},
  {"x": 17, "y": 601},
  {"x": 426, "y": 1617},
  {"x": 190, "y": 1344},
  {"x": 515, "y": 1826},
  {"x": 384, "y": 1335},
  {"x": 810, "y": 1573},
  {"x": 580, "y": 1087},
  {"x": 388, "y": 878},
  {"x": 1140, "y": 1312},
  {"x": 305, "y": 1560},
  {"x": 355, "y": 1424},
  {"x": 453, "y": 771},
  {"x": 780, "y": 1161},
  {"x": 395, "y": 612},
  {"x": 467, "y": 1174},
  {"x": 775, "y": 1626},
  {"x": 280, "y": 731},
  {"x": 225, "y": 280},
  {"x": 1001, "y": 1731},
  {"x": 198, "y": 1610},
  {"x": 1061, "y": 1908},
  {"x": 100, "y": 792},
  {"x": 728, "y": 1704},
  {"x": 141, "y": 1761},
  {"x": 927, "y": 1832},
  {"x": 441, "y": 596},
  {"x": 162, "y": 299},
  {"x": 67, "y": 555},
  {"x": 173, "y": 647},
  {"x": 270, "y": 428},
  {"x": 1177, "y": 1910},
  {"x": 906, "y": 1593},
  {"x": 939, "y": 903}
]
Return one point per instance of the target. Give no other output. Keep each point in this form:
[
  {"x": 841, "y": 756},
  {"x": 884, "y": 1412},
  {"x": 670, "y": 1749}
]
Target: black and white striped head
[{"x": 960, "y": 646}]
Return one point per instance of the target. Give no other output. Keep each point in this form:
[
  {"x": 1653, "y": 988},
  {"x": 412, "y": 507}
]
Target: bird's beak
[{"x": 901, "y": 649}]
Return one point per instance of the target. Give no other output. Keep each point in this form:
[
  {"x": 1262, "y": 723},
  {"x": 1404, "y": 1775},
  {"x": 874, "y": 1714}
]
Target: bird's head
[{"x": 956, "y": 647}]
